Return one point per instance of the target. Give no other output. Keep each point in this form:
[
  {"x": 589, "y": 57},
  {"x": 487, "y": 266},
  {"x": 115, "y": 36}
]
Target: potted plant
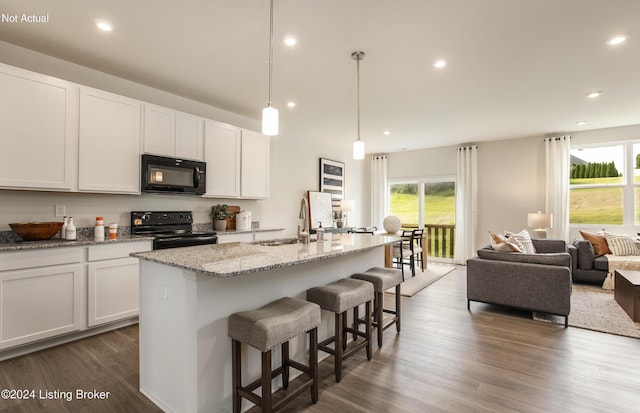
[
  {"x": 219, "y": 214},
  {"x": 339, "y": 217}
]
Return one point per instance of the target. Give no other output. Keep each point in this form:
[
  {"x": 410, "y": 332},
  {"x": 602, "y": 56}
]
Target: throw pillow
[
  {"x": 621, "y": 245},
  {"x": 524, "y": 239},
  {"x": 586, "y": 254},
  {"x": 598, "y": 241},
  {"x": 500, "y": 243}
]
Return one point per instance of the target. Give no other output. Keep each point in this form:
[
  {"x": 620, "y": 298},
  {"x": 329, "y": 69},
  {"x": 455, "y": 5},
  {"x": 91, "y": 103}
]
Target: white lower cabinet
[
  {"x": 40, "y": 303},
  {"x": 55, "y": 291},
  {"x": 113, "y": 290}
]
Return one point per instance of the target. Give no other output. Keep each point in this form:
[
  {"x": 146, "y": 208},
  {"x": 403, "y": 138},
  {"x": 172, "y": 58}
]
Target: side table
[{"x": 627, "y": 292}]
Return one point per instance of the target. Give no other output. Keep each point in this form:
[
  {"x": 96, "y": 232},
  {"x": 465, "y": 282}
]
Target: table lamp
[
  {"x": 346, "y": 205},
  {"x": 541, "y": 221}
]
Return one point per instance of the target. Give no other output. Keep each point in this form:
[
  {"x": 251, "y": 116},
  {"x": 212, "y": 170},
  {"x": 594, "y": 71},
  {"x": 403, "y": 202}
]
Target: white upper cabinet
[
  {"x": 159, "y": 130},
  {"x": 222, "y": 155},
  {"x": 109, "y": 155},
  {"x": 189, "y": 136},
  {"x": 255, "y": 165},
  {"x": 237, "y": 162},
  {"x": 38, "y": 131},
  {"x": 173, "y": 134}
]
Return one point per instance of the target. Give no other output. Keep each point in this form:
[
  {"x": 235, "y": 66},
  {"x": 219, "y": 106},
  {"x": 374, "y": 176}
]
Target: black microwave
[{"x": 172, "y": 176}]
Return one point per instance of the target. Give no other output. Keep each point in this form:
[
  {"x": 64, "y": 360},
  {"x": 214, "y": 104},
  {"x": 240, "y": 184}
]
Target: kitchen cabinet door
[
  {"x": 222, "y": 145},
  {"x": 189, "y": 136},
  {"x": 159, "y": 130},
  {"x": 114, "y": 290},
  {"x": 109, "y": 143},
  {"x": 255, "y": 165},
  {"x": 39, "y": 303},
  {"x": 38, "y": 131}
]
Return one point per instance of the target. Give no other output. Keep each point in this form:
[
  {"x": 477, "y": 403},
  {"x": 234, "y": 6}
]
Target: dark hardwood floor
[{"x": 445, "y": 360}]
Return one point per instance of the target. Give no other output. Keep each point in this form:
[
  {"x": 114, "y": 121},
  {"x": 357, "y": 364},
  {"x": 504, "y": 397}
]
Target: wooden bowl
[{"x": 36, "y": 231}]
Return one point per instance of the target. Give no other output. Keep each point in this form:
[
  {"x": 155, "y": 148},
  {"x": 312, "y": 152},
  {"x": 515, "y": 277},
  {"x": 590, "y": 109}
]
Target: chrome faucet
[{"x": 303, "y": 235}]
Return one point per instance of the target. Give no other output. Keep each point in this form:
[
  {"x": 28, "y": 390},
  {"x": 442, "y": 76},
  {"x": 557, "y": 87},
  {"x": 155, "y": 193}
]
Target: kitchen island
[{"x": 187, "y": 295}]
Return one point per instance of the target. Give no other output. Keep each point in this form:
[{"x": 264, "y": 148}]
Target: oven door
[
  {"x": 169, "y": 175},
  {"x": 187, "y": 240}
]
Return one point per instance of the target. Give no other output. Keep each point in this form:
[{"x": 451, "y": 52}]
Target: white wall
[{"x": 294, "y": 162}]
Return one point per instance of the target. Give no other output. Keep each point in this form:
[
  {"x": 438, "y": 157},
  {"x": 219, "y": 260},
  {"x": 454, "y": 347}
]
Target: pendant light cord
[
  {"x": 270, "y": 49},
  {"x": 358, "y": 90}
]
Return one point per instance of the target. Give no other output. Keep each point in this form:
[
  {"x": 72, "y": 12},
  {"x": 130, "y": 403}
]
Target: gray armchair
[{"x": 533, "y": 282}]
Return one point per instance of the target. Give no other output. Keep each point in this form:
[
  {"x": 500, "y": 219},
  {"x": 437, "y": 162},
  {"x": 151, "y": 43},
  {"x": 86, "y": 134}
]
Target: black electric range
[{"x": 170, "y": 229}]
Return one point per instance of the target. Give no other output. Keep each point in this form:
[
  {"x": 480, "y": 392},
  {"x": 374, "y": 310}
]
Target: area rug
[
  {"x": 412, "y": 285},
  {"x": 593, "y": 308}
]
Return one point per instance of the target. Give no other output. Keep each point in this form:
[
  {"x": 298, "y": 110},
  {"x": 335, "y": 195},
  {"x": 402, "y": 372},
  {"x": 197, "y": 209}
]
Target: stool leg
[
  {"x": 355, "y": 322},
  {"x": 368, "y": 328},
  {"x": 379, "y": 304},
  {"x": 398, "y": 309},
  {"x": 266, "y": 382},
  {"x": 285, "y": 364},
  {"x": 313, "y": 363},
  {"x": 236, "y": 374},
  {"x": 344, "y": 331},
  {"x": 338, "y": 347}
]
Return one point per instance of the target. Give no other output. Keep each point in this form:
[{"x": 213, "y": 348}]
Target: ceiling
[{"x": 515, "y": 68}]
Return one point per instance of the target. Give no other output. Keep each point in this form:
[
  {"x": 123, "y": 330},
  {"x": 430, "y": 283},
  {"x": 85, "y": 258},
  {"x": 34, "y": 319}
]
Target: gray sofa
[
  {"x": 585, "y": 266},
  {"x": 533, "y": 282}
]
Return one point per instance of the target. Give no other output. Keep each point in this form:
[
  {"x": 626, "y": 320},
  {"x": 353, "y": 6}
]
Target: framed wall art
[{"x": 332, "y": 180}]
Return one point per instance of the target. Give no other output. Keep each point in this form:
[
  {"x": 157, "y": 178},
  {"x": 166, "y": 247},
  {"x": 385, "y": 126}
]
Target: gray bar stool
[
  {"x": 340, "y": 297},
  {"x": 382, "y": 279},
  {"x": 264, "y": 328}
]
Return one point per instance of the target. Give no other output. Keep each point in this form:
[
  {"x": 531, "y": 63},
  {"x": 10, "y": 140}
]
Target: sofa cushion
[
  {"x": 500, "y": 243},
  {"x": 523, "y": 238},
  {"x": 621, "y": 245},
  {"x": 560, "y": 258},
  {"x": 586, "y": 254},
  {"x": 598, "y": 241},
  {"x": 601, "y": 263}
]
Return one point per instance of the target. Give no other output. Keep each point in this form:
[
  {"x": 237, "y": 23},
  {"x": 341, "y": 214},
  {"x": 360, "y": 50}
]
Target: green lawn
[
  {"x": 439, "y": 209},
  {"x": 596, "y": 206}
]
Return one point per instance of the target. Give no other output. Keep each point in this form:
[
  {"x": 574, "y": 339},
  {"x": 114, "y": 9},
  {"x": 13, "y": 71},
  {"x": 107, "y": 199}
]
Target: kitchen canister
[
  {"x": 243, "y": 221},
  {"x": 98, "y": 230},
  {"x": 71, "y": 233}
]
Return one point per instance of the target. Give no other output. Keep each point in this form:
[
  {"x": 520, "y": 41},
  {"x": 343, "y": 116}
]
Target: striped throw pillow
[
  {"x": 523, "y": 238},
  {"x": 621, "y": 245}
]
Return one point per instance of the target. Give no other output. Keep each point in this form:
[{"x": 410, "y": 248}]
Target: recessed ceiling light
[
  {"x": 594, "y": 94},
  {"x": 440, "y": 63},
  {"x": 615, "y": 40},
  {"x": 387, "y": 132},
  {"x": 291, "y": 104},
  {"x": 105, "y": 26},
  {"x": 581, "y": 122},
  {"x": 290, "y": 41}
]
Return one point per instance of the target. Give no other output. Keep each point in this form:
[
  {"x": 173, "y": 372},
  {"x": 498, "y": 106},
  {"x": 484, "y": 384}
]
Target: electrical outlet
[{"x": 61, "y": 210}]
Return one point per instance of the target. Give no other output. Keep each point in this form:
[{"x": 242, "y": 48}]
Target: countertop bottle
[
  {"x": 63, "y": 230},
  {"x": 71, "y": 230},
  {"x": 98, "y": 231},
  {"x": 320, "y": 233}
]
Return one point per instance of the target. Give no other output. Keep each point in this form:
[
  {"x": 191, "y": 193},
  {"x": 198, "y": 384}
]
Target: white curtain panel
[
  {"x": 466, "y": 204},
  {"x": 379, "y": 193},
  {"x": 558, "y": 159}
]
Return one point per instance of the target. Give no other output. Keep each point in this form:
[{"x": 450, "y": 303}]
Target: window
[
  {"x": 599, "y": 184},
  {"x": 434, "y": 210}
]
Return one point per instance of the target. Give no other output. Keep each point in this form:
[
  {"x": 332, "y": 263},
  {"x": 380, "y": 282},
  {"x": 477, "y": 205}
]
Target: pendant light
[
  {"x": 358, "y": 145},
  {"x": 269, "y": 113}
]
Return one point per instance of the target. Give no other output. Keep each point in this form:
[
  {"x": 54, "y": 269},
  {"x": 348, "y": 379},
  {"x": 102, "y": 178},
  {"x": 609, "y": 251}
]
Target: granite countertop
[
  {"x": 236, "y": 258},
  {"x": 248, "y": 231},
  {"x": 57, "y": 243}
]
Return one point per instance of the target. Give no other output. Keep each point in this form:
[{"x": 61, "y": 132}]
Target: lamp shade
[
  {"x": 539, "y": 220},
  {"x": 270, "y": 121},
  {"x": 347, "y": 205},
  {"x": 358, "y": 150}
]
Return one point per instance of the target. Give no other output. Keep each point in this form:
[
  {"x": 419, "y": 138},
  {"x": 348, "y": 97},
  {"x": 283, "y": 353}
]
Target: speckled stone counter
[
  {"x": 58, "y": 243},
  {"x": 235, "y": 258},
  {"x": 187, "y": 295}
]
